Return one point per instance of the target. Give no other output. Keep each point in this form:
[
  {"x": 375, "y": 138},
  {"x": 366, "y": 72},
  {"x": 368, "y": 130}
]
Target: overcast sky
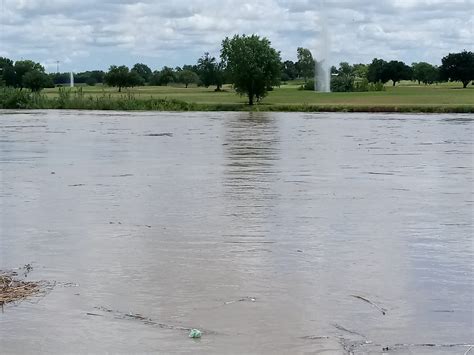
[{"x": 93, "y": 34}]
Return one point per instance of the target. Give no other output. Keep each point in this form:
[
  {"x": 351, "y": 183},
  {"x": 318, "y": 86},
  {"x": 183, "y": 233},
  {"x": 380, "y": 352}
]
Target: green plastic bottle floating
[{"x": 195, "y": 333}]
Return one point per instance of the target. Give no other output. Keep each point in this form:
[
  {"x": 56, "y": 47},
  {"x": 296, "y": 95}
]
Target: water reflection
[{"x": 251, "y": 147}]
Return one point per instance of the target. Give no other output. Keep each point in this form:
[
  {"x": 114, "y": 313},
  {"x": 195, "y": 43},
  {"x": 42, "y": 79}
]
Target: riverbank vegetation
[
  {"x": 405, "y": 97},
  {"x": 250, "y": 67}
]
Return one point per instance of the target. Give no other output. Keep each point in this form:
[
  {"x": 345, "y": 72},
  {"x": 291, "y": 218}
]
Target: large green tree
[
  {"x": 305, "y": 64},
  {"x": 36, "y": 80},
  {"x": 397, "y": 71},
  {"x": 22, "y": 67},
  {"x": 376, "y": 71},
  {"x": 143, "y": 70},
  {"x": 253, "y": 65},
  {"x": 120, "y": 76},
  {"x": 458, "y": 67},
  {"x": 425, "y": 73}
]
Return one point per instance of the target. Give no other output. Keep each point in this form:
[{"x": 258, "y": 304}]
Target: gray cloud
[{"x": 89, "y": 34}]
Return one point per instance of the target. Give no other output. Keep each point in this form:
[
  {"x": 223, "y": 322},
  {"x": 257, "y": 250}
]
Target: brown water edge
[{"x": 272, "y": 233}]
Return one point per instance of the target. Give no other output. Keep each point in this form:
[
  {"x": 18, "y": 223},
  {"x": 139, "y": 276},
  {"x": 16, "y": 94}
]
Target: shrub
[
  {"x": 342, "y": 83},
  {"x": 309, "y": 85}
]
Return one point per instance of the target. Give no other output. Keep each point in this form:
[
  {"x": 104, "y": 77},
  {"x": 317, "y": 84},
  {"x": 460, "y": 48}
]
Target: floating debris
[
  {"x": 340, "y": 327},
  {"x": 315, "y": 337},
  {"x": 382, "y": 310},
  {"x": 195, "y": 333},
  {"x": 147, "y": 320},
  {"x": 428, "y": 345},
  {"x": 94, "y": 314},
  {"x": 159, "y": 135},
  {"x": 13, "y": 289},
  {"x": 245, "y": 299}
]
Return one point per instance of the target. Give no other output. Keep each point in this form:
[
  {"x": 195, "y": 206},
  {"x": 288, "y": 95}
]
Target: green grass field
[{"x": 404, "y": 97}]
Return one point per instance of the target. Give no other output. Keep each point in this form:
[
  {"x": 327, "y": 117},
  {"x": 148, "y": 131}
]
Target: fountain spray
[{"x": 323, "y": 67}]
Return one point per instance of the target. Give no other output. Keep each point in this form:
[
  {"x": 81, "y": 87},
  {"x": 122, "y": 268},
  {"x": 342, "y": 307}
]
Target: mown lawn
[{"x": 404, "y": 94}]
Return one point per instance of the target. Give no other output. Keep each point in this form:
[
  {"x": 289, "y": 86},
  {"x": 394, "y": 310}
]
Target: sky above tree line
[{"x": 91, "y": 34}]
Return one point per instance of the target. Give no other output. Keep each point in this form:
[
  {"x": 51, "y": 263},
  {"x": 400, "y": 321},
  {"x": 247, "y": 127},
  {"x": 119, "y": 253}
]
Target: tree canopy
[
  {"x": 210, "y": 71},
  {"x": 376, "y": 71},
  {"x": 122, "y": 77},
  {"x": 305, "y": 64},
  {"x": 143, "y": 71},
  {"x": 36, "y": 80},
  {"x": 425, "y": 73},
  {"x": 188, "y": 77},
  {"x": 396, "y": 71},
  {"x": 253, "y": 65},
  {"x": 458, "y": 67}
]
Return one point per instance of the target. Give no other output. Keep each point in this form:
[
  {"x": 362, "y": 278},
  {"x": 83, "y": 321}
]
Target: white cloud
[{"x": 88, "y": 34}]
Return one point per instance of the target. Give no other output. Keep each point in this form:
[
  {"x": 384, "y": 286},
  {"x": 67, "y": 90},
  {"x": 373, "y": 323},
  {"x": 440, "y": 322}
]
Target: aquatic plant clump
[{"x": 14, "y": 289}]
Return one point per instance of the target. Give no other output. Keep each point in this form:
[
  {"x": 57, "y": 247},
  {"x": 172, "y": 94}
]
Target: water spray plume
[{"x": 323, "y": 67}]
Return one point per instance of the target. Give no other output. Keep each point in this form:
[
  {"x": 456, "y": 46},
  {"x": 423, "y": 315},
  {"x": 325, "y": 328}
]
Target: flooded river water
[{"x": 270, "y": 232}]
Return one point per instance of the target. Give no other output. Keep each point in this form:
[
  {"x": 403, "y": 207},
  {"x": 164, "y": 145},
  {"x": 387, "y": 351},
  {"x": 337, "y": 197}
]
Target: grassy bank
[{"x": 406, "y": 97}]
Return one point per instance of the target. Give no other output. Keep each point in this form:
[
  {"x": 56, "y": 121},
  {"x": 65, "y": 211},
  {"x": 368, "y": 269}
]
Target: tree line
[{"x": 252, "y": 66}]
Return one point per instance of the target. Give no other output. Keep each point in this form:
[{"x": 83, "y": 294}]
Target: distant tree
[
  {"x": 377, "y": 71},
  {"x": 36, "y": 80},
  {"x": 206, "y": 67},
  {"x": 210, "y": 71},
  {"x": 188, "y": 77},
  {"x": 9, "y": 76},
  {"x": 345, "y": 69},
  {"x": 5, "y": 62},
  {"x": 118, "y": 76},
  {"x": 253, "y": 65},
  {"x": 143, "y": 71},
  {"x": 59, "y": 78},
  {"x": 98, "y": 75},
  {"x": 397, "y": 71},
  {"x": 163, "y": 77},
  {"x": 88, "y": 77},
  {"x": 425, "y": 73},
  {"x": 289, "y": 69},
  {"x": 458, "y": 67},
  {"x": 7, "y": 73},
  {"x": 306, "y": 64},
  {"x": 360, "y": 70},
  {"x": 91, "y": 81},
  {"x": 344, "y": 80},
  {"x": 220, "y": 75},
  {"x": 21, "y": 67},
  {"x": 284, "y": 77},
  {"x": 134, "y": 79},
  {"x": 155, "y": 78},
  {"x": 190, "y": 67}
]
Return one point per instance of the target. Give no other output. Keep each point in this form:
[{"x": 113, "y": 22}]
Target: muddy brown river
[{"x": 272, "y": 233}]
